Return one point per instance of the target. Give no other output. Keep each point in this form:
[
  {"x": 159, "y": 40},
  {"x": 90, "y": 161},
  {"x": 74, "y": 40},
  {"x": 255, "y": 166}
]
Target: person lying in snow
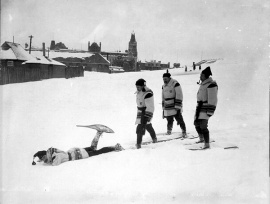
[{"x": 54, "y": 156}]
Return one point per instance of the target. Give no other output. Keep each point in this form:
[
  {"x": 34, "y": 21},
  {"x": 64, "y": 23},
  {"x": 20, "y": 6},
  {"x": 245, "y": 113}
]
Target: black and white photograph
[{"x": 134, "y": 101}]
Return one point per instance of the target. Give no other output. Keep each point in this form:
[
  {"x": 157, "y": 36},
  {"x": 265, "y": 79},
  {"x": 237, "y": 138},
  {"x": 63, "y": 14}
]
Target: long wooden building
[{"x": 19, "y": 66}]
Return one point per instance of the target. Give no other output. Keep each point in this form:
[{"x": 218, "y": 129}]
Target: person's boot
[
  {"x": 169, "y": 132},
  {"x": 184, "y": 134},
  {"x": 201, "y": 138},
  {"x": 118, "y": 147},
  {"x": 206, "y": 146},
  {"x": 138, "y": 146},
  {"x": 155, "y": 140}
]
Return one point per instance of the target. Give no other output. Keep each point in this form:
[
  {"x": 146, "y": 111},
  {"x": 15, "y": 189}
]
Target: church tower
[{"x": 132, "y": 46}]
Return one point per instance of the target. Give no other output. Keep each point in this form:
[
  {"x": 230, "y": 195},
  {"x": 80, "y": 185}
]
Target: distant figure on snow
[
  {"x": 172, "y": 98},
  {"x": 194, "y": 66},
  {"x": 145, "y": 111},
  {"x": 206, "y": 105},
  {"x": 54, "y": 156}
]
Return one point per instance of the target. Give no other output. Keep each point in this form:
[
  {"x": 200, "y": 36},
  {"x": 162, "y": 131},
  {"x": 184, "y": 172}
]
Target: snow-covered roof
[
  {"x": 53, "y": 54},
  {"x": 7, "y": 54},
  {"x": 43, "y": 60},
  {"x": 211, "y": 61},
  {"x": 97, "y": 59},
  {"x": 14, "y": 51},
  {"x": 207, "y": 61},
  {"x": 200, "y": 62},
  {"x": 115, "y": 68}
]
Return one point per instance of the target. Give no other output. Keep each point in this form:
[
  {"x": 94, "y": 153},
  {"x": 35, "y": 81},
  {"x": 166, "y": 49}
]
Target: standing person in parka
[
  {"x": 145, "y": 111},
  {"x": 172, "y": 98},
  {"x": 206, "y": 105}
]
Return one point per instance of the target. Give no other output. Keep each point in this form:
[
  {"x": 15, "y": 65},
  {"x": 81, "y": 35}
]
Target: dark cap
[
  {"x": 167, "y": 74},
  {"x": 39, "y": 154},
  {"x": 140, "y": 82},
  {"x": 207, "y": 72}
]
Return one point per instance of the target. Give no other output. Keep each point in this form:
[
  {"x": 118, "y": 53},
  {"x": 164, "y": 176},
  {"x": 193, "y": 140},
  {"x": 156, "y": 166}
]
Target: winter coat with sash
[
  {"x": 206, "y": 99},
  {"x": 172, "y": 97},
  {"x": 56, "y": 156},
  {"x": 145, "y": 105}
]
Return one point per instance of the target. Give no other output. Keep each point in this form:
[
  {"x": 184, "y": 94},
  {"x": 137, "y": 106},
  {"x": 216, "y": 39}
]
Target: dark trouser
[
  {"x": 149, "y": 129},
  {"x": 91, "y": 152},
  {"x": 180, "y": 121},
  {"x": 201, "y": 128}
]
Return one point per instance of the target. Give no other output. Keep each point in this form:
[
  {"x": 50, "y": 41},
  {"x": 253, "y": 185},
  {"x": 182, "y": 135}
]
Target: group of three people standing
[{"x": 172, "y": 99}]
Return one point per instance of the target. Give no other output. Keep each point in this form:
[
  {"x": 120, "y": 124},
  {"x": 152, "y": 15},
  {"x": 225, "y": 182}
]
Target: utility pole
[
  {"x": 43, "y": 49},
  {"x": 31, "y": 36}
]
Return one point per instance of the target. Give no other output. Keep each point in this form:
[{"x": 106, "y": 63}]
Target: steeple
[
  {"x": 132, "y": 46},
  {"x": 132, "y": 39}
]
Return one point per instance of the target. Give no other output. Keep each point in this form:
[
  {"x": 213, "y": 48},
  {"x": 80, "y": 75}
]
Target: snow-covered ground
[{"x": 38, "y": 115}]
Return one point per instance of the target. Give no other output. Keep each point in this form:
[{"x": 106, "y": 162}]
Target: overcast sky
[{"x": 166, "y": 30}]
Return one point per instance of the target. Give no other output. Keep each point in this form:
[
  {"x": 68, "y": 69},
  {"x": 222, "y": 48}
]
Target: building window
[{"x": 10, "y": 63}]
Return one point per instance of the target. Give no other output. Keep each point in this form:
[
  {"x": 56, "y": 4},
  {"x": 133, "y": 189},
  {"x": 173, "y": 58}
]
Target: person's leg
[
  {"x": 169, "y": 124},
  {"x": 199, "y": 130},
  {"x": 152, "y": 132},
  {"x": 100, "y": 151},
  {"x": 95, "y": 140},
  {"x": 139, "y": 132},
  {"x": 205, "y": 132},
  {"x": 180, "y": 120},
  {"x": 103, "y": 150}
]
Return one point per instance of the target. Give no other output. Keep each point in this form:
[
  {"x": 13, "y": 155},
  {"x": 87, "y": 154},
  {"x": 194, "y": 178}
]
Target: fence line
[{"x": 26, "y": 73}]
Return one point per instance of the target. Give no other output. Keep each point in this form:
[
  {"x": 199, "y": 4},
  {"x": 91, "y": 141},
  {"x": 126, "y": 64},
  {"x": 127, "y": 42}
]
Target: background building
[
  {"x": 94, "y": 47},
  {"x": 152, "y": 65},
  {"x": 57, "y": 46}
]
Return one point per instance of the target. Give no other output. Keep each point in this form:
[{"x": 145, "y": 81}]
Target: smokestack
[
  {"x": 31, "y": 36},
  {"x": 43, "y": 48},
  {"x": 52, "y": 47},
  {"x": 88, "y": 45}
]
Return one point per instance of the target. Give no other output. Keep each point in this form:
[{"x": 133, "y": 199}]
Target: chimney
[
  {"x": 100, "y": 46},
  {"x": 43, "y": 48},
  {"x": 88, "y": 45},
  {"x": 52, "y": 47}
]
